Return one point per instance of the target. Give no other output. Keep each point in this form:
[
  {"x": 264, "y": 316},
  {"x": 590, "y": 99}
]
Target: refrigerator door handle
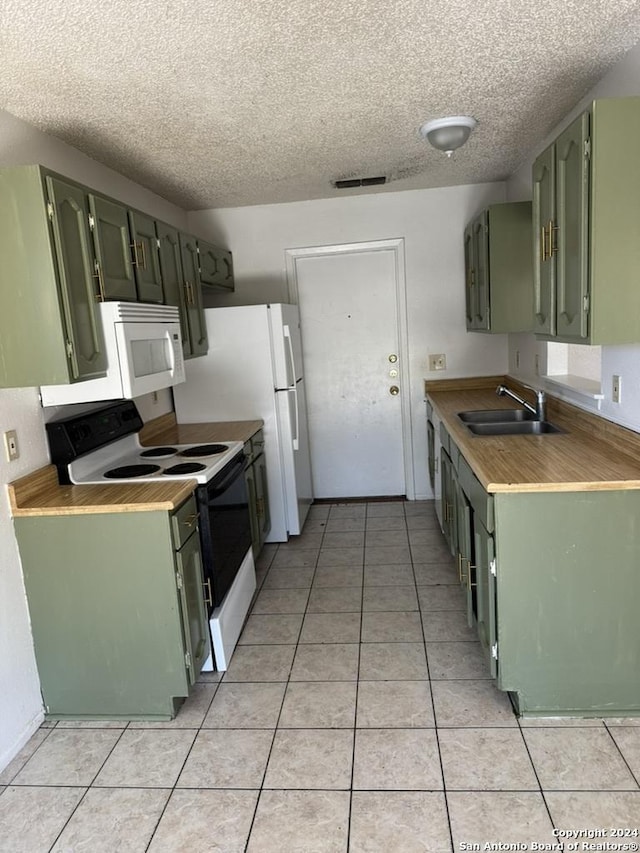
[
  {"x": 296, "y": 440},
  {"x": 291, "y": 372}
]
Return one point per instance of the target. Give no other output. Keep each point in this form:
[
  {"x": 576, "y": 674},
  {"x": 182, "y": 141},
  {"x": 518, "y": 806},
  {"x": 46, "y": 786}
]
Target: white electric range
[{"x": 103, "y": 447}]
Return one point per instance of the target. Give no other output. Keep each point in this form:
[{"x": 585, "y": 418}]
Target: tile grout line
[
  {"x": 284, "y": 695},
  {"x": 433, "y": 708}
]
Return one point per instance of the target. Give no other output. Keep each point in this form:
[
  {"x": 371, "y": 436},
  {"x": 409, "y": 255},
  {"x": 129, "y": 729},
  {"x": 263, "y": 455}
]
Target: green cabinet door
[
  {"x": 481, "y": 314},
  {"x": 571, "y": 244},
  {"x": 262, "y": 498},
  {"x": 110, "y": 227},
  {"x": 250, "y": 479},
  {"x": 69, "y": 217},
  {"x": 146, "y": 262},
  {"x": 486, "y": 590},
  {"x": 172, "y": 277},
  {"x": 195, "y": 309},
  {"x": 465, "y": 548},
  {"x": 469, "y": 277},
  {"x": 431, "y": 451},
  {"x": 449, "y": 519},
  {"x": 498, "y": 273},
  {"x": 216, "y": 266},
  {"x": 194, "y": 616},
  {"x": 543, "y": 221}
]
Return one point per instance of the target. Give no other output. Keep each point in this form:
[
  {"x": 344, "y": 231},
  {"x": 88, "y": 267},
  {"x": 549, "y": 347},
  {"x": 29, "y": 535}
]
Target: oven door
[{"x": 225, "y": 527}]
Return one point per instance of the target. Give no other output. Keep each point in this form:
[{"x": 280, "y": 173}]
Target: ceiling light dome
[{"x": 448, "y": 134}]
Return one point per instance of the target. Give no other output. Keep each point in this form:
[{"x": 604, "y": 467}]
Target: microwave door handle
[{"x": 291, "y": 378}]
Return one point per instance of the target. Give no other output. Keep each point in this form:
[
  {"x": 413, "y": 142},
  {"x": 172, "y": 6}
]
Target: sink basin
[
  {"x": 492, "y": 416},
  {"x": 514, "y": 428}
]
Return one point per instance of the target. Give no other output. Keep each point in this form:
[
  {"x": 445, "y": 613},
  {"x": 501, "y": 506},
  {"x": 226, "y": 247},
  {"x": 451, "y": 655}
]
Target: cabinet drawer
[
  {"x": 481, "y": 502},
  {"x": 183, "y": 522}
]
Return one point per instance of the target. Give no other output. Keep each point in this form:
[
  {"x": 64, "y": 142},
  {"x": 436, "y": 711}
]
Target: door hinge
[
  {"x": 179, "y": 583},
  {"x": 187, "y": 659},
  {"x": 587, "y": 148},
  {"x": 92, "y": 222},
  {"x": 492, "y": 567},
  {"x": 494, "y": 651},
  {"x": 585, "y": 303},
  {"x": 50, "y": 210},
  {"x": 69, "y": 348}
]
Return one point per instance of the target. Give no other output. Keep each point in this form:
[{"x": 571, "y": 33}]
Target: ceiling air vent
[{"x": 349, "y": 183}]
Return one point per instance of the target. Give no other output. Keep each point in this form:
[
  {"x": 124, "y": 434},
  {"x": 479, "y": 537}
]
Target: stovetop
[{"x": 127, "y": 461}]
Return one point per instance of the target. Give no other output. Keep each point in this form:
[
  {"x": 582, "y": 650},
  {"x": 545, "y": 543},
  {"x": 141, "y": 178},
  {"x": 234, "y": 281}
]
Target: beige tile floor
[{"x": 356, "y": 716}]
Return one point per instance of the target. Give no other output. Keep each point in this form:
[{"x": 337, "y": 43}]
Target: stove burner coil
[
  {"x": 158, "y": 452},
  {"x": 127, "y": 471},
  {"x": 185, "y": 468},
  {"x": 204, "y": 450}
]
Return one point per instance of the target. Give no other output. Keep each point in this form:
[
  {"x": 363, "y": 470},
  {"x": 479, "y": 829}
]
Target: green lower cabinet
[
  {"x": 487, "y": 622},
  {"x": 256, "y": 479},
  {"x": 465, "y": 549},
  {"x": 567, "y": 593},
  {"x": 117, "y": 621}
]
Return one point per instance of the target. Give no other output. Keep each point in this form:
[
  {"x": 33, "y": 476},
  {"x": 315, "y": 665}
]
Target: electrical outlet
[
  {"x": 438, "y": 361},
  {"x": 11, "y": 445},
  {"x": 616, "y": 389}
]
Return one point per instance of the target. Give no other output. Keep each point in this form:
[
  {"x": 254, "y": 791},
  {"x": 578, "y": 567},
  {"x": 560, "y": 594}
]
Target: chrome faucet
[{"x": 538, "y": 410}]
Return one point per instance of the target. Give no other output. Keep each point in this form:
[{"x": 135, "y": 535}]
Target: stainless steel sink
[
  {"x": 523, "y": 427},
  {"x": 492, "y": 416}
]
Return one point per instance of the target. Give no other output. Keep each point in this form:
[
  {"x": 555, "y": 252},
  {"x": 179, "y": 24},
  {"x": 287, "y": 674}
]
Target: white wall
[
  {"x": 624, "y": 361},
  {"x": 20, "y": 701},
  {"x": 431, "y": 223}
]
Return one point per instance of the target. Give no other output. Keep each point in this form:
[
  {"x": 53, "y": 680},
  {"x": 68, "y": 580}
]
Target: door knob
[{"x": 394, "y": 390}]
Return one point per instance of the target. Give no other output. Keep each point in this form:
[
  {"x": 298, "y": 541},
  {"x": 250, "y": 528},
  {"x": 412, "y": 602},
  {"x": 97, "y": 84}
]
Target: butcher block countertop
[
  {"x": 592, "y": 454},
  {"x": 40, "y": 493}
]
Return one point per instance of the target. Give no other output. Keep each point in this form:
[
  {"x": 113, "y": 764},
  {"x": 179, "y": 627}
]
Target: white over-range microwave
[{"x": 144, "y": 354}]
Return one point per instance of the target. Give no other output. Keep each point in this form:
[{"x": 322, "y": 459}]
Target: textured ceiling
[{"x": 216, "y": 103}]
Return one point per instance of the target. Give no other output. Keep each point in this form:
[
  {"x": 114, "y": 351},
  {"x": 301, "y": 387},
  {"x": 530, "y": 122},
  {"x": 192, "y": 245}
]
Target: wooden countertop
[
  {"x": 592, "y": 454},
  {"x": 166, "y": 430},
  {"x": 40, "y": 493}
]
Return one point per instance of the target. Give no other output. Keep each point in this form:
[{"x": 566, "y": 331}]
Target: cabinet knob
[
  {"x": 190, "y": 520},
  {"x": 394, "y": 390}
]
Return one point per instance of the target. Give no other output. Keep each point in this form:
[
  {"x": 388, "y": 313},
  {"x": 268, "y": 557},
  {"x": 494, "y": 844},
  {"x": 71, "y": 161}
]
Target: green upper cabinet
[
  {"x": 172, "y": 278},
  {"x": 216, "y": 266},
  {"x": 110, "y": 227},
  {"x": 498, "y": 269},
  {"x": 586, "y": 223},
  {"x": 50, "y": 331},
  {"x": 195, "y": 309},
  {"x": 544, "y": 212},
  {"x": 181, "y": 280},
  {"x": 146, "y": 260}
]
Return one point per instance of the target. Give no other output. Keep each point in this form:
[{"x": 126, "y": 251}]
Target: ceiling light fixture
[{"x": 448, "y": 134}]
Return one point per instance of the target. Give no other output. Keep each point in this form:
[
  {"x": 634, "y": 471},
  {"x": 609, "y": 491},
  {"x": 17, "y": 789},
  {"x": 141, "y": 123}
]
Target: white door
[{"x": 350, "y": 315}]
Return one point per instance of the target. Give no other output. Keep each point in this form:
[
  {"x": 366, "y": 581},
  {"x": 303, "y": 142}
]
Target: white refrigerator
[{"x": 254, "y": 370}]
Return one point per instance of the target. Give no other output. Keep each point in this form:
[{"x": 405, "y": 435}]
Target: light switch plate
[
  {"x": 438, "y": 361},
  {"x": 616, "y": 389},
  {"x": 11, "y": 445}
]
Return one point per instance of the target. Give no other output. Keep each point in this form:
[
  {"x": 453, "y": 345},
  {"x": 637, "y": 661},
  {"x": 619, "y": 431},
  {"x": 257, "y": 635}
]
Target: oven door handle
[{"x": 215, "y": 489}]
